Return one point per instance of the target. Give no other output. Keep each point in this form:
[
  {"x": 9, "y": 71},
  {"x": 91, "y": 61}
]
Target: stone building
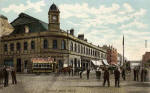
[
  {"x": 5, "y": 27},
  {"x": 34, "y": 38},
  {"x": 112, "y": 55}
]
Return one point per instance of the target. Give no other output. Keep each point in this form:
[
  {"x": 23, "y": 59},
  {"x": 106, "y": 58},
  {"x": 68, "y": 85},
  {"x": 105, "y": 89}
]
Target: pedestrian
[
  {"x": 6, "y": 75},
  {"x": 81, "y": 71},
  {"x": 142, "y": 75},
  {"x": 88, "y": 73},
  {"x": 100, "y": 72},
  {"x": 117, "y": 77},
  {"x": 137, "y": 74},
  {"x": 145, "y": 74},
  {"x": 134, "y": 71},
  {"x": 106, "y": 77},
  {"x": 13, "y": 75},
  {"x": 69, "y": 70},
  {"x": 123, "y": 74}
]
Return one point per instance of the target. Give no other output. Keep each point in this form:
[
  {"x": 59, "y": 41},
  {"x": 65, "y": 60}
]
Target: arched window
[
  {"x": 63, "y": 44},
  {"x": 45, "y": 43},
  {"x": 32, "y": 45},
  {"x": 55, "y": 44}
]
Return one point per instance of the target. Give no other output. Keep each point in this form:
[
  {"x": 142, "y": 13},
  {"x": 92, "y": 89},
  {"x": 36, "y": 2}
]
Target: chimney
[
  {"x": 81, "y": 36},
  {"x": 72, "y": 31},
  {"x": 85, "y": 39}
]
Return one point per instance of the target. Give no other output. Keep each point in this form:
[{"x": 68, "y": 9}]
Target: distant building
[
  {"x": 135, "y": 63},
  {"x": 146, "y": 58},
  {"x": 33, "y": 38},
  {"x": 112, "y": 55}
]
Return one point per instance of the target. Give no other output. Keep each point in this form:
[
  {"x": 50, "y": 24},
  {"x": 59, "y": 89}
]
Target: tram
[{"x": 43, "y": 65}]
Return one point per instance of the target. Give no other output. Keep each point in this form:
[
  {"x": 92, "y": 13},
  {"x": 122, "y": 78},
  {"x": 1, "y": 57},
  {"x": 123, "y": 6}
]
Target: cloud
[
  {"x": 24, "y": 7},
  {"x": 135, "y": 24},
  {"x": 107, "y": 24},
  {"x": 128, "y": 7}
]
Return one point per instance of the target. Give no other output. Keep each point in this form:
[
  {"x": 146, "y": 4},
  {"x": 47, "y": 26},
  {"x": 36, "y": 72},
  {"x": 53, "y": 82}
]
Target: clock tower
[{"x": 53, "y": 16}]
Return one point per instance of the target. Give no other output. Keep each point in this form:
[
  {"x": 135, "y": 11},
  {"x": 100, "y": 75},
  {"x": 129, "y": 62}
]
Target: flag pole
[{"x": 123, "y": 50}]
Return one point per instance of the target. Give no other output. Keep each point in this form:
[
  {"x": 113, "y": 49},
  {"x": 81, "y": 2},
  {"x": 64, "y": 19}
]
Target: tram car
[{"x": 43, "y": 65}]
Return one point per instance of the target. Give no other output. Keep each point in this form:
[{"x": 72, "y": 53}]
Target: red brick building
[
  {"x": 146, "y": 57},
  {"x": 111, "y": 54}
]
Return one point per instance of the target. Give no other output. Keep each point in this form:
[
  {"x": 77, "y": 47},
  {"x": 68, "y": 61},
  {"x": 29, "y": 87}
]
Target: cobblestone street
[{"x": 30, "y": 83}]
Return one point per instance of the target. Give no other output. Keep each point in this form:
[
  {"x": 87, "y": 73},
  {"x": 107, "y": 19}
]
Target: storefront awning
[
  {"x": 97, "y": 63},
  {"x": 105, "y": 62},
  {"x": 65, "y": 65}
]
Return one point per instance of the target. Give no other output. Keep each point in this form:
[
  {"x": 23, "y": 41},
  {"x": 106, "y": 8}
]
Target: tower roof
[{"x": 53, "y": 8}]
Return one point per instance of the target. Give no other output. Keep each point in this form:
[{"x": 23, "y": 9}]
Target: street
[{"x": 52, "y": 83}]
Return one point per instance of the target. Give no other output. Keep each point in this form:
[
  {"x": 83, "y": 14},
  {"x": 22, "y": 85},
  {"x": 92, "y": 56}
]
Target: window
[
  {"x": 71, "y": 46},
  {"x": 32, "y": 45},
  {"x": 81, "y": 49},
  {"x": 91, "y": 52},
  {"x": 5, "y": 47},
  {"x": 25, "y": 64},
  {"x": 54, "y": 44},
  {"x": 45, "y": 44},
  {"x": 11, "y": 47},
  {"x": 75, "y": 48},
  {"x": 18, "y": 46},
  {"x": 78, "y": 48},
  {"x": 86, "y": 51},
  {"x": 63, "y": 44},
  {"x": 25, "y": 45}
]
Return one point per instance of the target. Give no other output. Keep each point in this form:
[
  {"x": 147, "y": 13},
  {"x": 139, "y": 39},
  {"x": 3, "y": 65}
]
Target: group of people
[
  {"x": 4, "y": 75},
  {"x": 142, "y": 72},
  {"x": 117, "y": 73},
  {"x": 106, "y": 75}
]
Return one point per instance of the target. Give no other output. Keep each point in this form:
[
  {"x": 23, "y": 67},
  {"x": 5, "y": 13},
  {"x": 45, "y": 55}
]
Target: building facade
[
  {"x": 146, "y": 59},
  {"x": 33, "y": 38},
  {"x": 120, "y": 59},
  {"x": 112, "y": 55}
]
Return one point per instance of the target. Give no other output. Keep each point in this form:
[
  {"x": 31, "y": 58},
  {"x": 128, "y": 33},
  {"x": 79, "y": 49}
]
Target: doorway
[{"x": 18, "y": 65}]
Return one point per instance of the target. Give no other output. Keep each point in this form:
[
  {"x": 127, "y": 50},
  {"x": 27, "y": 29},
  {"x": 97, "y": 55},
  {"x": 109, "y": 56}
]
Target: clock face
[{"x": 54, "y": 18}]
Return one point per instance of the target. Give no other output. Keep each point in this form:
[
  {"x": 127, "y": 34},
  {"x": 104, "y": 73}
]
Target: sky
[{"x": 103, "y": 22}]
